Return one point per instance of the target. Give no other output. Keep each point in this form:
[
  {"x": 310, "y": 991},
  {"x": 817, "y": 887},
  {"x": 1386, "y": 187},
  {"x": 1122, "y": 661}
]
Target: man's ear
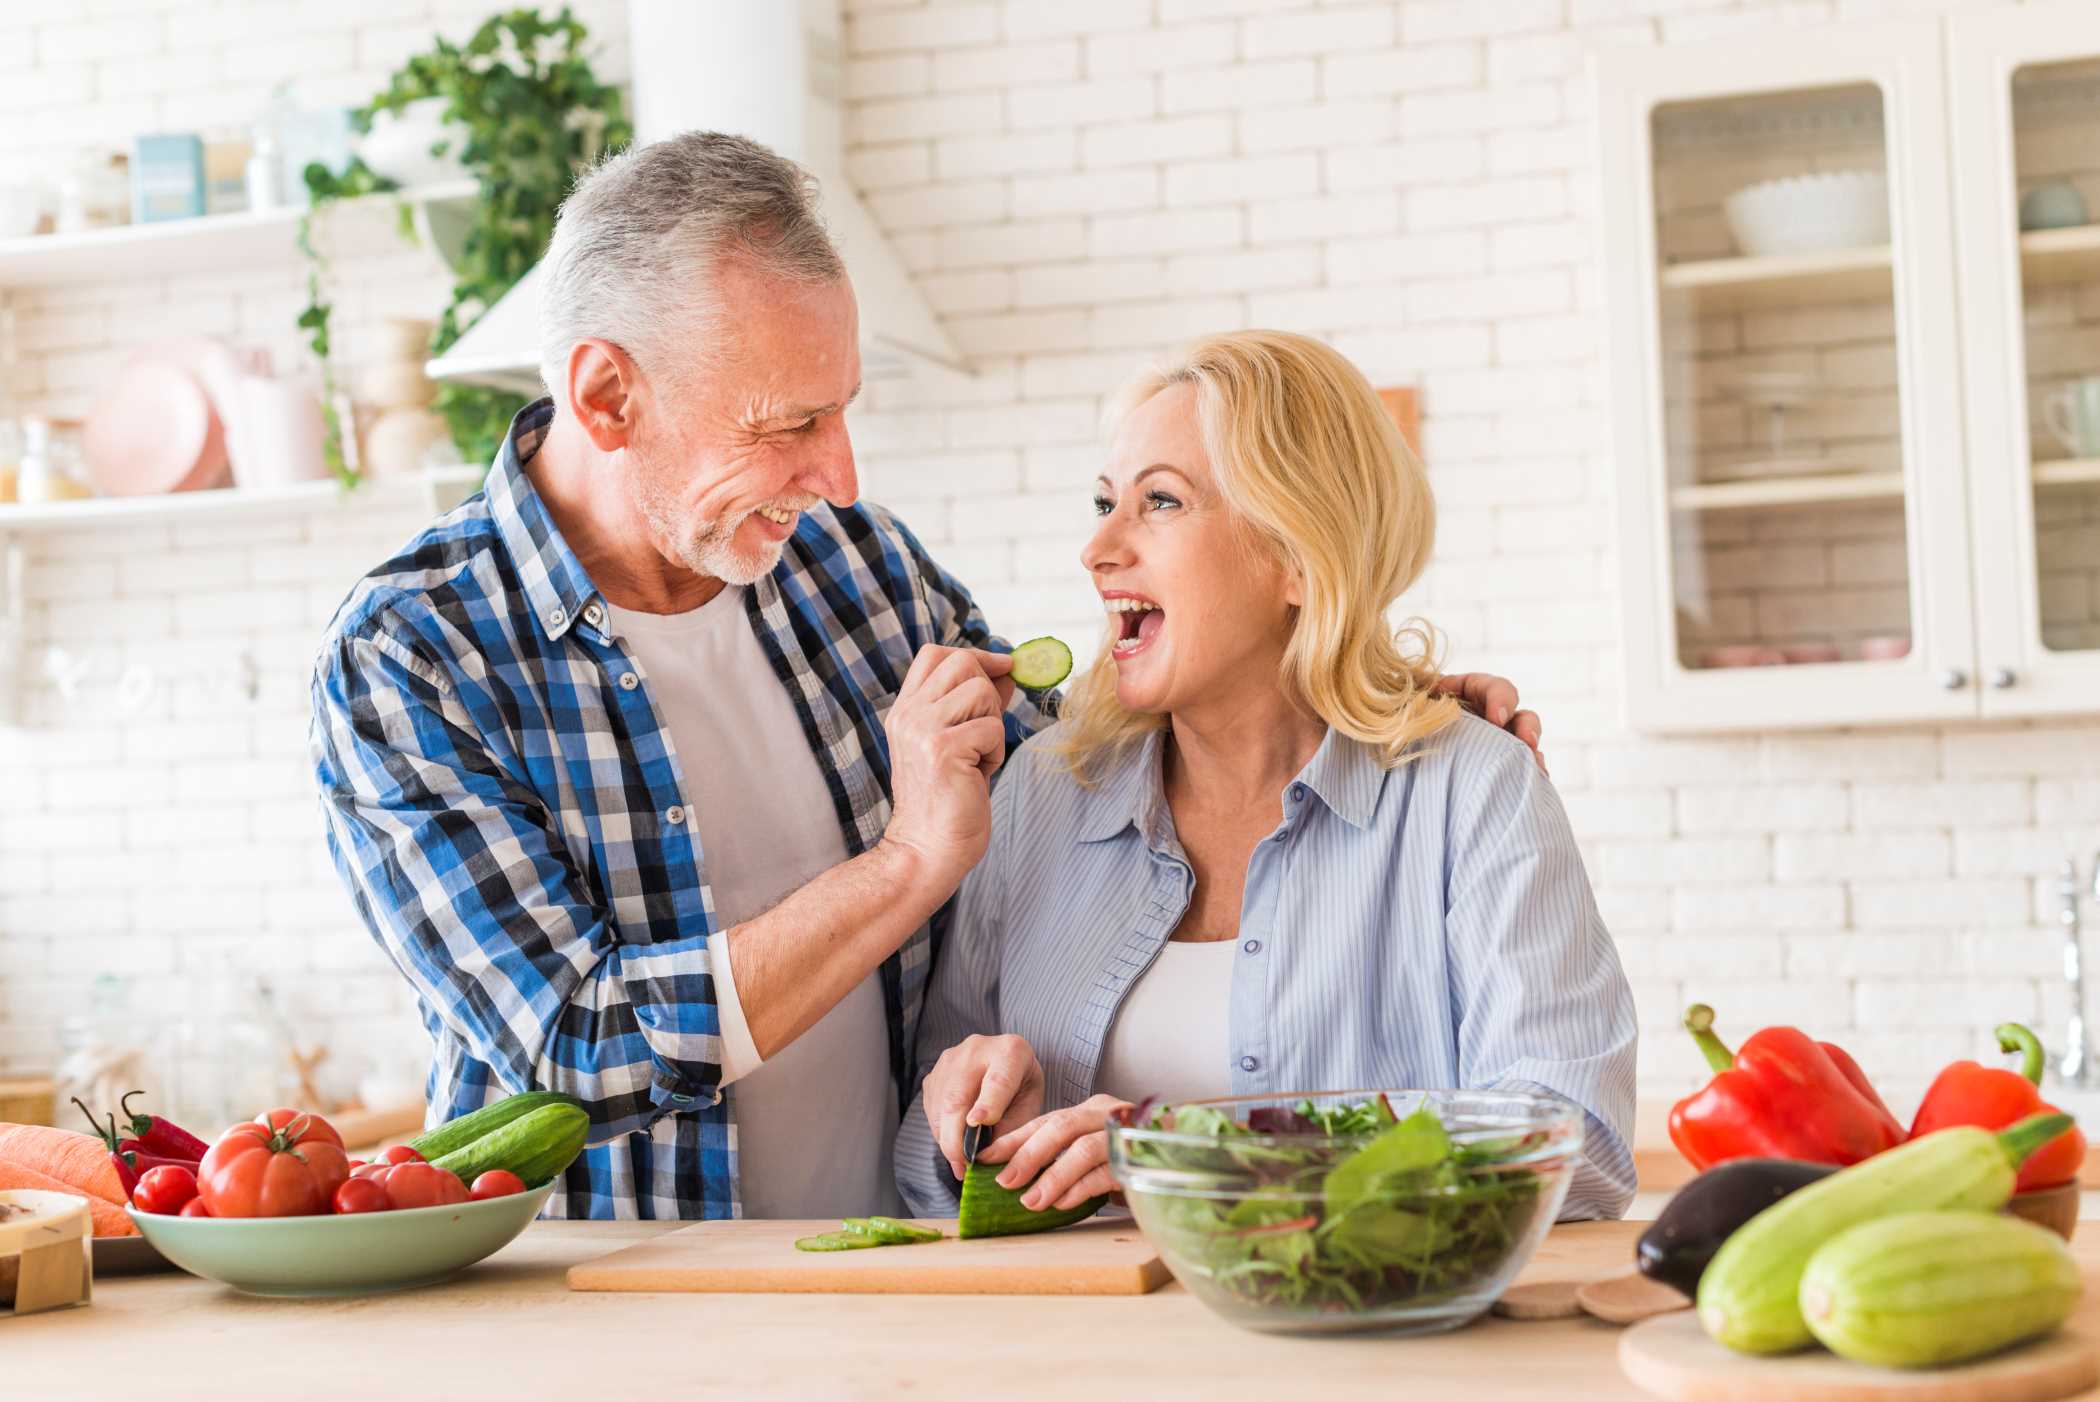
[{"x": 605, "y": 393}]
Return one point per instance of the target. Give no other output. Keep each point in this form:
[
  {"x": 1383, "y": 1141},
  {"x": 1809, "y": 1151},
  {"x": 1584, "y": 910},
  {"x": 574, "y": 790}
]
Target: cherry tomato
[
  {"x": 194, "y": 1208},
  {"x": 356, "y": 1164},
  {"x": 164, "y": 1189},
  {"x": 400, "y": 1153},
  {"x": 424, "y": 1185},
  {"x": 497, "y": 1183},
  {"x": 362, "y": 1195},
  {"x": 280, "y": 1164}
]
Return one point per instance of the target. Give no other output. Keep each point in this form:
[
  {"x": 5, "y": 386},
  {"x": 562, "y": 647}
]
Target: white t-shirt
[
  {"x": 1172, "y": 1036},
  {"x": 814, "y": 1122}
]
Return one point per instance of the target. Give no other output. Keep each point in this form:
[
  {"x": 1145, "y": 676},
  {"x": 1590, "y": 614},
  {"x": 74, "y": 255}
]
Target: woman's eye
[
  {"x": 1102, "y": 506},
  {"x": 1159, "y": 501}
]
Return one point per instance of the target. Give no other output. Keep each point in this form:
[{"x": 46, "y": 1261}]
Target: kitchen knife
[{"x": 973, "y": 1140}]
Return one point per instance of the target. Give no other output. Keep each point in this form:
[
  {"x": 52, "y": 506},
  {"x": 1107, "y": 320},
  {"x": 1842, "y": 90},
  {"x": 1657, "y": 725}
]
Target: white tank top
[{"x": 1172, "y": 1036}]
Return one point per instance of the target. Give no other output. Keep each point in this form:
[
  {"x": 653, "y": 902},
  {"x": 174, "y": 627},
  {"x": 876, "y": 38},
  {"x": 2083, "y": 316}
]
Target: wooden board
[
  {"x": 1093, "y": 1258},
  {"x": 1670, "y": 1356}
]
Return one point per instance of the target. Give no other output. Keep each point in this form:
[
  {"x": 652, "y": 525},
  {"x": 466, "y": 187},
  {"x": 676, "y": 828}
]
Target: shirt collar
[
  {"x": 556, "y": 587},
  {"x": 1343, "y": 773}
]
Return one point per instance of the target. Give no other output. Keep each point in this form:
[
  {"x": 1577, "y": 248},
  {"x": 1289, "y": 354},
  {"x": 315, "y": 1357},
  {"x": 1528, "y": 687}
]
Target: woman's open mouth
[{"x": 1138, "y": 621}]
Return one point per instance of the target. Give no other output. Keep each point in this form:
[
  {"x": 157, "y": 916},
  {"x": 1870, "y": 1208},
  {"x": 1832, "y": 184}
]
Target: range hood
[{"x": 769, "y": 70}]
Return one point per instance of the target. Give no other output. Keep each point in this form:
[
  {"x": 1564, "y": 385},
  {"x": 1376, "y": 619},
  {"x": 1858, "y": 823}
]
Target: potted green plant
[{"x": 533, "y": 115}]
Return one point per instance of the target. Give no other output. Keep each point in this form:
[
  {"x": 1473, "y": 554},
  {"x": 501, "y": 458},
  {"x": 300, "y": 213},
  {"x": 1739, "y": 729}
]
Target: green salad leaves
[{"x": 1405, "y": 1214}]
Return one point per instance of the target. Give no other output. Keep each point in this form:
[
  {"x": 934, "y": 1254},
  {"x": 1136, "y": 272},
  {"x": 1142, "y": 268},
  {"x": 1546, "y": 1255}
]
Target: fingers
[
  {"x": 1528, "y": 727},
  {"x": 1064, "y": 1183},
  {"x": 950, "y": 1091},
  {"x": 968, "y": 699},
  {"x": 984, "y": 741},
  {"x": 1010, "y": 1069},
  {"x": 1051, "y": 1136}
]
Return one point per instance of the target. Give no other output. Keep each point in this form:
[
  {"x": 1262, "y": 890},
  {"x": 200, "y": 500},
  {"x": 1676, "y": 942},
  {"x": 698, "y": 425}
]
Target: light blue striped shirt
[{"x": 1428, "y": 926}]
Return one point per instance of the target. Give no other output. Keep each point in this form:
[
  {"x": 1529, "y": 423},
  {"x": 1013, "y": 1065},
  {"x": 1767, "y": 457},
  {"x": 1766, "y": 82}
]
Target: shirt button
[
  {"x": 629, "y": 681},
  {"x": 1250, "y": 1063},
  {"x": 675, "y": 816},
  {"x": 557, "y": 618},
  {"x": 1298, "y": 793},
  {"x": 1252, "y": 946},
  {"x": 593, "y": 615}
]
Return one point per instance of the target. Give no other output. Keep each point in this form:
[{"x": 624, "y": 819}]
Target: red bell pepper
[
  {"x": 1783, "y": 1096},
  {"x": 1992, "y": 1097}
]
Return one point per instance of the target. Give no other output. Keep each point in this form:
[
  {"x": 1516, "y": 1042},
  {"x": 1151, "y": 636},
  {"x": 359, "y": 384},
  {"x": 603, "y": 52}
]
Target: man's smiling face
[{"x": 755, "y": 434}]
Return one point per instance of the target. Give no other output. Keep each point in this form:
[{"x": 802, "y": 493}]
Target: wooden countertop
[{"x": 510, "y": 1329}]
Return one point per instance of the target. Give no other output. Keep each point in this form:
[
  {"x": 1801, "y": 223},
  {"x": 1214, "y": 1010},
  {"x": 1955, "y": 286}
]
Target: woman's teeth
[
  {"x": 1133, "y": 615},
  {"x": 777, "y": 516}
]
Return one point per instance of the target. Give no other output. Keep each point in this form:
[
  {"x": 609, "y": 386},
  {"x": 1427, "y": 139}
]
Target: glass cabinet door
[
  {"x": 2026, "y": 86},
  {"x": 1793, "y": 475}
]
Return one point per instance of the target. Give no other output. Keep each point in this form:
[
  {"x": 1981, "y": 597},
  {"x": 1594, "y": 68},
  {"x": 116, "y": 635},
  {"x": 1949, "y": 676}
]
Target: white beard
[{"x": 710, "y": 550}]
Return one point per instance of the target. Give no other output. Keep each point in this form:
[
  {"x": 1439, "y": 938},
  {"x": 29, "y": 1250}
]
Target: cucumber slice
[
  {"x": 836, "y": 1241},
  {"x": 891, "y": 1232},
  {"x": 1041, "y": 663}
]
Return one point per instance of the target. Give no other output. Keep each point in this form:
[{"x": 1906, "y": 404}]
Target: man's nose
[{"x": 834, "y": 476}]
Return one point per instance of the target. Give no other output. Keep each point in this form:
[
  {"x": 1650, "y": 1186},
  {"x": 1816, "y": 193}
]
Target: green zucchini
[
  {"x": 1041, "y": 663},
  {"x": 990, "y": 1210},
  {"x": 459, "y": 1133},
  {"x": 836, "y": 1241},
  {"x": 1749, "y": 1296},
  {"x": 888, "y": 1231},
  {"x": 537, "y": 1146},
  {"x": 1925, "y": 1288}
]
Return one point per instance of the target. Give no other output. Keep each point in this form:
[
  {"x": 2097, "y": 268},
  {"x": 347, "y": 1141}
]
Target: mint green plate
[{"x": 353, "y": 1255}]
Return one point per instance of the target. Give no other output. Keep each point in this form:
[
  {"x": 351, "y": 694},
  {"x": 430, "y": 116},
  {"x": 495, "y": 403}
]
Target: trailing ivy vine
[{"x": 535, "y": 116}]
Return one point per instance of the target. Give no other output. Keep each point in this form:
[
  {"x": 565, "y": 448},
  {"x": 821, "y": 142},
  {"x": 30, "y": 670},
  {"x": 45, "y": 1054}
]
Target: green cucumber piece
[
  {"x": 536, "y": 1147},
  {"x": 836, "y": 1241},
  {"x": 990, "y": 1210},
  {"x": 1041, "y": 663},
  {"x": 888, "y": 1231},
  {"x": 459, "y": 1133}
]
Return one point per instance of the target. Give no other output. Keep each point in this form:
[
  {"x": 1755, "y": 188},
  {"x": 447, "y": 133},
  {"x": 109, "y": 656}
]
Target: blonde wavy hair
[{"x": 1315, "y": 473}]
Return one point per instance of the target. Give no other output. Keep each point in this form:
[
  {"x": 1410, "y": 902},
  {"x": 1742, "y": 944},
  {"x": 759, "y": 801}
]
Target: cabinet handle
[
  {"x": 2003, "y": 677},
  {"x": 1954, "y": 679}
]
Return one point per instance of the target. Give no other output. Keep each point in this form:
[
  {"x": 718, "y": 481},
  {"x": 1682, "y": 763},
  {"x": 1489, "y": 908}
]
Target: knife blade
[{"x": 973, "y": 1140}]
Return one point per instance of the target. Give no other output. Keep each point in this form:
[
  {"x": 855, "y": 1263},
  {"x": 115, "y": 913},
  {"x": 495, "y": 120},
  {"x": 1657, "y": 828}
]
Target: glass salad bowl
[{"x": 1406, "y": 1211}]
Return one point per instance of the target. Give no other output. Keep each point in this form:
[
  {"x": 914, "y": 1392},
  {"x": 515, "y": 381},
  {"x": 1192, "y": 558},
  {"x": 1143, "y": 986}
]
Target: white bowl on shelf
[{"x": 1810, "y": 213}]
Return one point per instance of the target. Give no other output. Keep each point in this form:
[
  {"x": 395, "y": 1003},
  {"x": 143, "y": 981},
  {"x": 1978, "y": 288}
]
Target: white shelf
[
  {"x": 1728, "y": 284},
  {"x": 214, "y": 241},
  {"x": 451, "y": 484},
  {"x": 2067, "y": 472},
  {"x": 1788, "y": 491}
]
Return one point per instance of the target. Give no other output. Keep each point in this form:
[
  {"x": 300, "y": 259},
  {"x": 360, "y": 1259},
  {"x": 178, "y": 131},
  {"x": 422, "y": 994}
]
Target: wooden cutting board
[
  {"x": 759, "y": 1257},
  {"x": 1670, "y": 1356}
]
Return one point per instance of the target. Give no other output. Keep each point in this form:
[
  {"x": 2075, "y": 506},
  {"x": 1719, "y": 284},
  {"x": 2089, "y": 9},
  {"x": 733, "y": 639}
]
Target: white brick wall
[{"x": 1076, "y": 185}]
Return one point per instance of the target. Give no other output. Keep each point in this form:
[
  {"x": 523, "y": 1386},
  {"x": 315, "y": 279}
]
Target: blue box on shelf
[{"x": 167, "y": 178}]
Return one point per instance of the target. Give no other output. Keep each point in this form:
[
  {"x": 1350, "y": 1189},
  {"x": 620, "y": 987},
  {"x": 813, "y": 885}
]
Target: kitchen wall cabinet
[{"x": 1838, "y": 499}]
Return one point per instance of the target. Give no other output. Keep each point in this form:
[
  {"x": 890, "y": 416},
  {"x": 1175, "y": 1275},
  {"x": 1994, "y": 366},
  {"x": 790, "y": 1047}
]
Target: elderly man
[{"x": 653, "y": 767}]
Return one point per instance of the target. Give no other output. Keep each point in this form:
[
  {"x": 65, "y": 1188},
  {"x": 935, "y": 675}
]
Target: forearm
[{"x": 796, "y": 962}]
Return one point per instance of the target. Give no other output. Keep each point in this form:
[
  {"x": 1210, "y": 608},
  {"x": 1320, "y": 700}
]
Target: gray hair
[{"x": 638, "y": 239}]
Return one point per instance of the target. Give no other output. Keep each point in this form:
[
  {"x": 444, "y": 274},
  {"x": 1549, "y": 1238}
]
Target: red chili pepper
[
  {"x": 134, "y": 1153},
  {"x": 1992, "y": 1097},
  {"x": 1783, "y": 1096},
  {"x": 157, "y": 1134},
  {"x": 127, "y": 1173}
]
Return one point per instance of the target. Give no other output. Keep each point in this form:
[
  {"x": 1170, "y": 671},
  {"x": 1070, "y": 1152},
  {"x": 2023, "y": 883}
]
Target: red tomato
[
  {"x": 194, "y": 1208},
  {"x": 164, "y": 1189},
  {"x": 362, "y": 1195},
  {"x": 377, "y": 1171},
  {"x": 423, "y": 1185},
  {"x": 400, "y": 1153},
  {"x": 497, "y": 1183},
  {"x": 280, "y": 1164},
  {"x": 356, "y": 1164}
]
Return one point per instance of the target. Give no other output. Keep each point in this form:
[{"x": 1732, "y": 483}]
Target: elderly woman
[{"x": 1258, "y": 854}]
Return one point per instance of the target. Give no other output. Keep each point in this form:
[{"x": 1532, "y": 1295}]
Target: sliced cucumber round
[{"x": 1041, "y": 663}]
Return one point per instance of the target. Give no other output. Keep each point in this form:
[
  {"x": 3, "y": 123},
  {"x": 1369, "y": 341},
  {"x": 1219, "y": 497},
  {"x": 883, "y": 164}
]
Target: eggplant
[{"x": 1708, "y": 1209}]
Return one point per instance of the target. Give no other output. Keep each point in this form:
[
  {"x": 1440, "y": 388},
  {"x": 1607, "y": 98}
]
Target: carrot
[
  {"x": 78, "y": 1160},
  {"x": 109, "y": 1219}
]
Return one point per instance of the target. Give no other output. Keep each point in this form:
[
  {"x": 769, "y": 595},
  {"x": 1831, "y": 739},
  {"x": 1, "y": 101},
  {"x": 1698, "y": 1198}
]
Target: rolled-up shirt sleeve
[
  {"x": 462, "y": 875},
  {"x": 1540, "y": 1000}
]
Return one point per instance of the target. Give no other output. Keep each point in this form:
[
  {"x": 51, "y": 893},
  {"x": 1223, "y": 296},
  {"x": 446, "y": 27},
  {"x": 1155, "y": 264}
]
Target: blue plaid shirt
[{"x": 504, "y": 803}]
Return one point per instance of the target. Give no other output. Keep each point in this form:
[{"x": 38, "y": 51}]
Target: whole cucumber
[
  {"x": 536, "y": 1147},
  {"x": 1925, "y": 1288},
  {"x": 457, "y": 1134},
  {"x": 1749, "y": 1296}
]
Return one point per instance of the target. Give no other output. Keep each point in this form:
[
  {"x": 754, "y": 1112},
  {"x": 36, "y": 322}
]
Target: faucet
[{"x": 2075, "y": 1068}]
